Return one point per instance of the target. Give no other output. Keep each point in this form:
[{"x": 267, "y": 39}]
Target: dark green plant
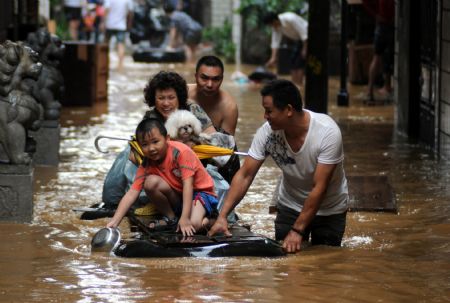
[
  {"x": 57, "y": 13},
  {"x": 221, "y": 38}
]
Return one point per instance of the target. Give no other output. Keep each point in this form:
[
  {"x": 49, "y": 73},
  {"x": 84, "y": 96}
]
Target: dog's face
[
  {"x": 185, "y": 132},
  {"x": 183, "y": 125}
]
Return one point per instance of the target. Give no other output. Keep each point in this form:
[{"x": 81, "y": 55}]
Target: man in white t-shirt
[
  {"x": 118, "y": 18},
  {"x": 307, "y": 146},
  {"x": 295, "y": 28}
]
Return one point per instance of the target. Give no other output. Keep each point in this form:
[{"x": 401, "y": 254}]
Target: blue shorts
[
  {"x": 120, "y": 35},
  {"x": 208, "y": 201}
]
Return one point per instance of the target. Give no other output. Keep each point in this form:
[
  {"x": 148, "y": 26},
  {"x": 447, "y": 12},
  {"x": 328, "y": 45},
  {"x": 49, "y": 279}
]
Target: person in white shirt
[
  {"x": 295, "y": 28},
  {"x": 72, "y": 11},
  {"x": 118, "y": 18},
  {"x": 312, "y": 197}
]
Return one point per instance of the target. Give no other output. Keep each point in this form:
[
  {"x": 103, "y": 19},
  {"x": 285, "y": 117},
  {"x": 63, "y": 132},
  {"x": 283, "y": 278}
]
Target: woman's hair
[
  {"x": 146, "y": 125},
  {"x": 166, "y": 80},
  {"x": 283, "y": 92}
]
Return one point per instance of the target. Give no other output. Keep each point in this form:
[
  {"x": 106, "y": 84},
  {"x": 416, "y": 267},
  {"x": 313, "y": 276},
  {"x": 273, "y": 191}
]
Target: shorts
[
  {"x": 384, "y": 45},
  {"x": 119, "y": 34},
  {"x": 324, "y": 230},
  {"x": 297, "y": 60},
  {"x": 72, "y": 13},
  {"x": 383, "y": 38},
  {"x": 208, "y": 201},
  {"x": 193, "y": 37}
]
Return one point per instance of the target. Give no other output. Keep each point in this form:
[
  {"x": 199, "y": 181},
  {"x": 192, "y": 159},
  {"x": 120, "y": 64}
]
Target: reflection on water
[{"x": 386, "y": 257}]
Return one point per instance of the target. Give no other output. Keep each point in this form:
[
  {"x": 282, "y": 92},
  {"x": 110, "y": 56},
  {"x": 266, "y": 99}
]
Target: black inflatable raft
[
  {"x": 171, "y": 244},
  {"x": 167, "y": 244},
  {"x": 158, "y": 55}
]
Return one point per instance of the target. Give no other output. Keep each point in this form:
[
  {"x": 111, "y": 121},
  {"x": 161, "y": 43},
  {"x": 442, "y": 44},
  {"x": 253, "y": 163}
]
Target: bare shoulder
[
  {"x": 192, "y": 91},
  {"x": 228, "y": 100}
]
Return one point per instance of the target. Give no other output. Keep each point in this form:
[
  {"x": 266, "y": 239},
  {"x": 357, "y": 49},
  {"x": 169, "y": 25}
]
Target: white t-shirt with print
[{"x": 323, "y": 144}]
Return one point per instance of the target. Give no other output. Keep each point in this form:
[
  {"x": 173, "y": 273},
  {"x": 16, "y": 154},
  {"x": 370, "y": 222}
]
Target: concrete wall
[
  {"x": 44, "y": 9},
  {"x": 444, "y": 87},
  {"x": 220, "y": 11},
  {"x": 402, "y": 65}
]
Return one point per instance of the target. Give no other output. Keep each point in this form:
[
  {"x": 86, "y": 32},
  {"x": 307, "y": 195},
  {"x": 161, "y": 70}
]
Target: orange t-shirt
[{"x": 180, "y": 163}]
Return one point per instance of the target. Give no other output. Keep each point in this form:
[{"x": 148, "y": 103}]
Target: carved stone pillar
[
  {"x": 47, "y": 143},
  {"x": 16, "y": 193}
]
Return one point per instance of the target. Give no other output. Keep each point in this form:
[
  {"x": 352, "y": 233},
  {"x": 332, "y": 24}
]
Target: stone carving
[
  {"x": 19, "y": 110},
  {"x": 9, "y": 202},
  {"x": 50, "y": 85}
]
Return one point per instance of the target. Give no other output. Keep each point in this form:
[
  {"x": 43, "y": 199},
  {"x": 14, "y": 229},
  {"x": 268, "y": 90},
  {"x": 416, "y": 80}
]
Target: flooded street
[{"x": 386, "y": 257}]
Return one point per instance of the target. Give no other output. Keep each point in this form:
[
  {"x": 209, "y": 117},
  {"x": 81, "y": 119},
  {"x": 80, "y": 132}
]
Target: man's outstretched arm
[{"x": 239, "y": 186}]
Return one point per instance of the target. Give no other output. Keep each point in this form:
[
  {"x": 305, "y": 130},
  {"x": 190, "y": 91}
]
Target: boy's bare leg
[
  {"x": 161, "y": 195},
  {"x": 198, "y": 213},
  {"x": 208, "y": 222}
]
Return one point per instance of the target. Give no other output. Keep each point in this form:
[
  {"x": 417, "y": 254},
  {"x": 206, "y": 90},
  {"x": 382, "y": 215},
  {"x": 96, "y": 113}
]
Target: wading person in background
[
  {"x": 72, "y": 10},
  {"x": 118, "y": 18},
  {"x": 220, "y": 106},
  {"x": 383, "y": 42},
  {"x": 295, "y": 28},
  {"x": 307, "y": 146},
  {"x": 183, "y": 28}
]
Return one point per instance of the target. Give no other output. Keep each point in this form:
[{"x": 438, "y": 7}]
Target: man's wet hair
[
  {"x": 270, "y": 17},
  {"x": 283, "y": 93},
  {"x": 146, "y": 126},
  {"x": 165, "y": 80},
  {"x": 211, "y": 61}
]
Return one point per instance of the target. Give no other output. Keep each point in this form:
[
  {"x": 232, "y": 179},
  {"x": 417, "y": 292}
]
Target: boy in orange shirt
[{"x": 173, "y": 178}]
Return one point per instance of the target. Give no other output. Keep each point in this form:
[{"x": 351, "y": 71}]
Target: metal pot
[{"x": 105, "y": 240}]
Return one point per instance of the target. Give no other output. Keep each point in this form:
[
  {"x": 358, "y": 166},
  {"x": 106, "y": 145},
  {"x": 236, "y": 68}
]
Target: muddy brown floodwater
[{"x": 385, "y": 257}]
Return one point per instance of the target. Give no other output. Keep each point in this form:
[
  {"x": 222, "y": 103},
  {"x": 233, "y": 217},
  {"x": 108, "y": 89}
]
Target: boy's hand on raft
[{"x": 186, "y": 227}]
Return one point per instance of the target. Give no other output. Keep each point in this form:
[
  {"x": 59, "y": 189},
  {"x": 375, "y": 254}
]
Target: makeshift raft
[
  {"x": 158, "y": 55},
  {"x": 169, "y": 244}
]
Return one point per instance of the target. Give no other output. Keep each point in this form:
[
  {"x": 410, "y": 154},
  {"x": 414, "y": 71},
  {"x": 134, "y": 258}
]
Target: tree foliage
[{"x": 221, "y": 38}]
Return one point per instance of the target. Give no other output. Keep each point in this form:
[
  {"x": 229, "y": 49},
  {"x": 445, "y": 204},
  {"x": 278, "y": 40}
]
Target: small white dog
[{"x": 183, "y": 126}]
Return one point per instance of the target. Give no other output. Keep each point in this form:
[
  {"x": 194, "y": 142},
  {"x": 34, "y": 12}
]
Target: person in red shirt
[{"x": 174, "y": 180}]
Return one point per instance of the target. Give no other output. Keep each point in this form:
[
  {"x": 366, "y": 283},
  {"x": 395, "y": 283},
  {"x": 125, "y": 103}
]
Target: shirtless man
[{"x": 206, "y": 92}]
